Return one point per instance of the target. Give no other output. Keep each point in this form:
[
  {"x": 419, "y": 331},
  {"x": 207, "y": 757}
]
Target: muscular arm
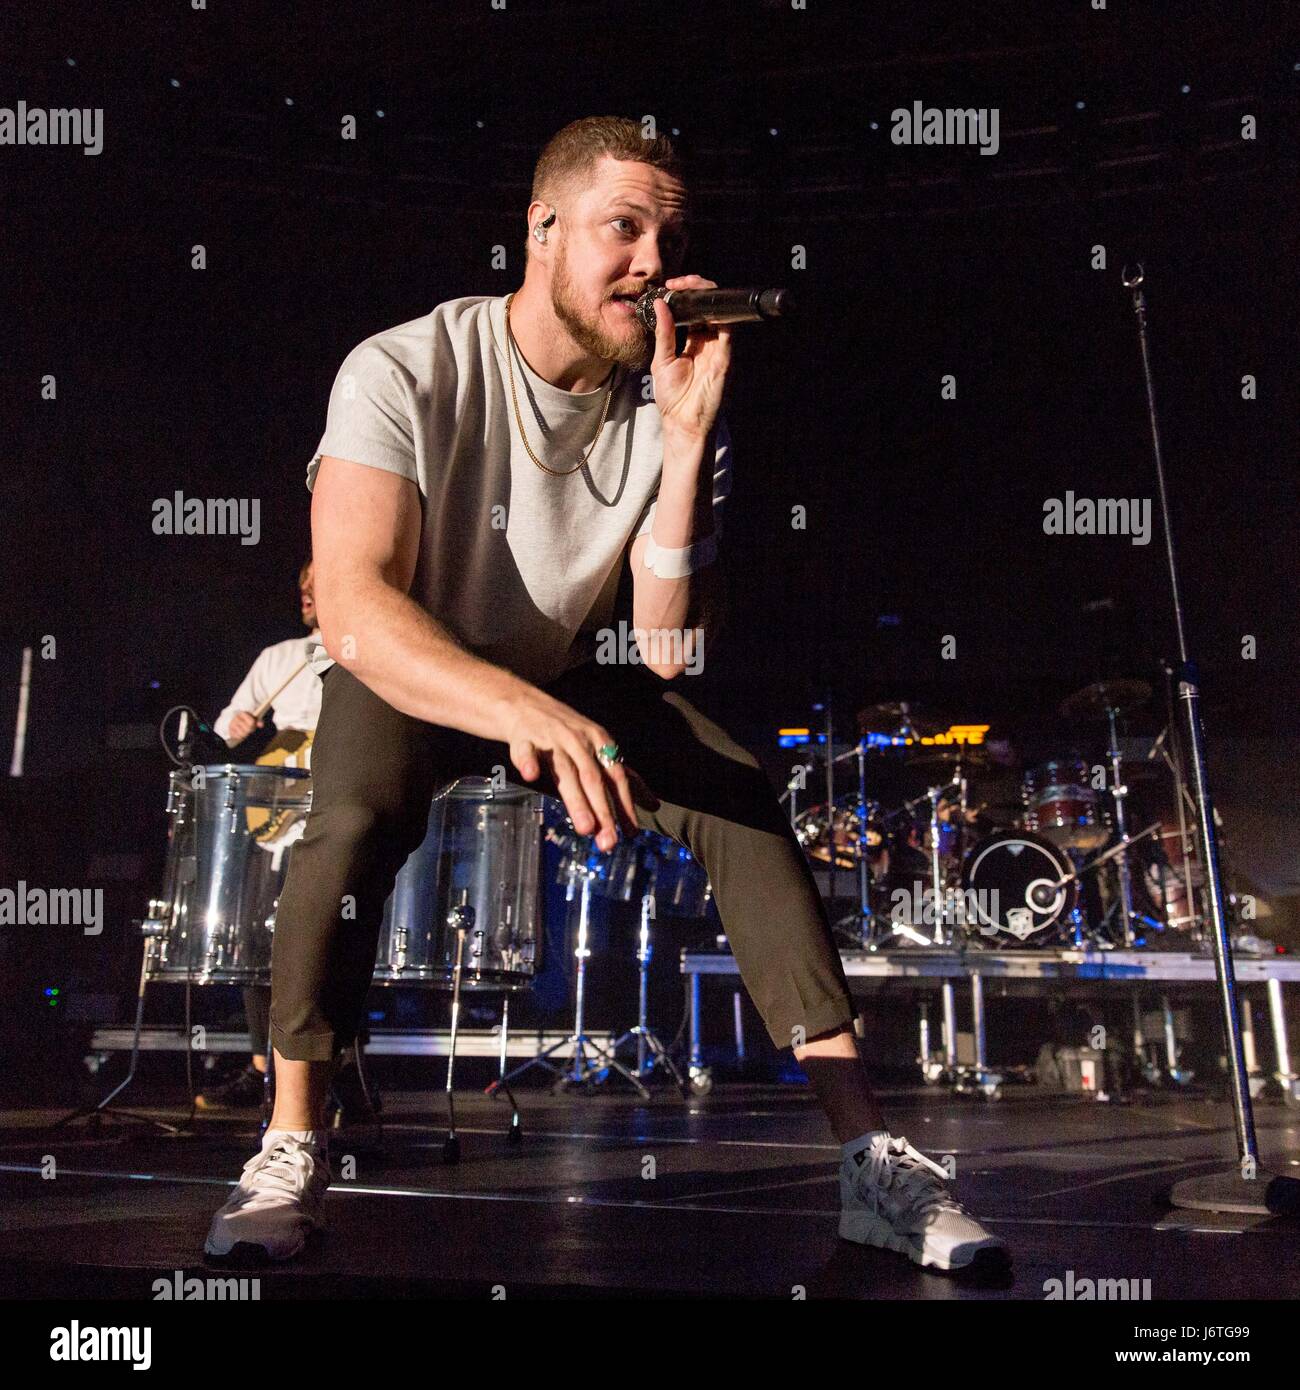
[{"x": 365, "y": 526}]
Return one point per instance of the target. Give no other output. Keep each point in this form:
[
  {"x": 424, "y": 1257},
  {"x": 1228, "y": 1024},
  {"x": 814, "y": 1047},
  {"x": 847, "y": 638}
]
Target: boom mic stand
[{"x": 1248, "y": 1188}]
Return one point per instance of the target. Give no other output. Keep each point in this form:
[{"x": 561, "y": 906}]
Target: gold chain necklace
[{"x": 604, "y": 411}]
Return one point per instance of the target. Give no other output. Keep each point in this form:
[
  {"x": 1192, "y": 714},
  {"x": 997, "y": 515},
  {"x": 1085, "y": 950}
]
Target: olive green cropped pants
[{"x": 375, "y": 772}]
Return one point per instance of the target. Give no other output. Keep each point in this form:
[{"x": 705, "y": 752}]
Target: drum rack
[{"x": 1031, "y": 970}]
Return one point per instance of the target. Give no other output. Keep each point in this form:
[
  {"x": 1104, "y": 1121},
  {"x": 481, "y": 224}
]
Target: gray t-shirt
[{"x": 521, "y": 567}]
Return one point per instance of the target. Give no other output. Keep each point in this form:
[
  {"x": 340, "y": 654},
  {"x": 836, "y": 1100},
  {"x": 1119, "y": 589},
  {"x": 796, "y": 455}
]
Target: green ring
[{"x": 608, "y": 754}]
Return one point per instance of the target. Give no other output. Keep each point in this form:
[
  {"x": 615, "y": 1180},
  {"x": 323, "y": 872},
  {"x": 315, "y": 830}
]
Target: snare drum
[
  {"x": 1062, "y": 807},
  {"x": 482, "y": 850},
  {"x": 228, "y": 850}
]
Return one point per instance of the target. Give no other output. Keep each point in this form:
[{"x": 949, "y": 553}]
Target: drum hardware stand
[
  {"x": 151, "y": 931},
  {"x": 945, "y": 919},
  {"x": 937, "y": 888},
  {"x": 580, "y": 1070},
  {"x": 1246, "y": 1188},
  {"x": 1078, "y": 922},
  {"x": 868, "y": 939},
  {"x": 461, "y": 921},
  {"x": 936, "y": 874},
  {"x": 647, "y": 1041},
  {"x": 830, "y": 800},
  {"x": 791, "y": 793},
  {"x": 1173, "y": 758},
  {"x": 864, "y": 938},
  {"x": 1042, "y": 894},
  {"x": 960, "y": 782},
  {"x": 1118, "y": 792},
  {"x": 93, "y": 1113},
  {"x": 515, "y": 1134}
]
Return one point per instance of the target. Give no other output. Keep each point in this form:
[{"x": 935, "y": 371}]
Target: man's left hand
[{"x": 689, "y": 384}]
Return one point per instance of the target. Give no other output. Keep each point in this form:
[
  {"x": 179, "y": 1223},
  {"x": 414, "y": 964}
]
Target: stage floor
[{"x": 742, "y": 1201}]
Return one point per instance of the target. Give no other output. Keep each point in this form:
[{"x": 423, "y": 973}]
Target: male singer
[{"x": 486, "y": 473}]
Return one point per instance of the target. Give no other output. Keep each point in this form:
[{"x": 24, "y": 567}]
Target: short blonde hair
[{"x": 565, "y": 165}]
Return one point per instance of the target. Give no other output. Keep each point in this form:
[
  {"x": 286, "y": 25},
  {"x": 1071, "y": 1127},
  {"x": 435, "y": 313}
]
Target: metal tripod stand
[
  {"x": 581, "y": 1069},
  {"x": 650, "y": 1050},
  {"x": 93, "y": 1114}
]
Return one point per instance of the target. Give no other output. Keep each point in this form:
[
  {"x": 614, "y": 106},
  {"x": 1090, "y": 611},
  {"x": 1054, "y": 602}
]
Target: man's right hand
[
  {"x": 544, "y": 732},
  {"x": 241, "y": 726}
]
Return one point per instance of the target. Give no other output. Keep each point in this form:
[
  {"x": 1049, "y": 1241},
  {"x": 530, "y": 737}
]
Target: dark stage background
[{"x": 924, "y": 515}]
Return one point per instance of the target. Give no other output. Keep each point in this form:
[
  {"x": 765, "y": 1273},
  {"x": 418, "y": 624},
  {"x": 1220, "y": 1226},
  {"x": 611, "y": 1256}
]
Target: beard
[{"x": 631, "y": 350}]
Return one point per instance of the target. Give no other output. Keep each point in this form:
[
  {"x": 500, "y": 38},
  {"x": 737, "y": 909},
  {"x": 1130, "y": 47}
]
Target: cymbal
[
  {"x": 1095, "y": 700},
  {"x": 893, "y": 716}
]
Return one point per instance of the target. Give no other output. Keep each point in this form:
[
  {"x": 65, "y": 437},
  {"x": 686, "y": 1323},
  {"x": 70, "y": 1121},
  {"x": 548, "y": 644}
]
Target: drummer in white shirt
[{"x": 294, "y": 709}]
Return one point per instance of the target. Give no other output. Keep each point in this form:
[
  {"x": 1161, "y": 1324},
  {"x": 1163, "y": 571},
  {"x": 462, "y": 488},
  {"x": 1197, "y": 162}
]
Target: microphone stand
[{"x": 1247, "y": 1188}]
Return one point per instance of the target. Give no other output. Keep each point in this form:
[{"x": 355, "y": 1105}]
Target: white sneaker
[
  {"x": 276, "y": 1204},
  {"x": 897, "y": 1199}
]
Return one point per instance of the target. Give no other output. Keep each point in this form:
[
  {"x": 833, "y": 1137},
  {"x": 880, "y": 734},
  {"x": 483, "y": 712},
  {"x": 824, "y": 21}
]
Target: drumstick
[{"x": 270, "y": 699}]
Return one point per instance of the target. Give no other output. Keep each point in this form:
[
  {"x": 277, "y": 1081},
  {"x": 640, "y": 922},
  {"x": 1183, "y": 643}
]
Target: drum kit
[
  {"x": 466, "y": 914},
  {"x": 1050, "y": 867}
]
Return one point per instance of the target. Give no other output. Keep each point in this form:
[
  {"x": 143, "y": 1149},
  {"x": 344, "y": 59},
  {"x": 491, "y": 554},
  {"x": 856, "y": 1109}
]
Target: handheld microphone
[{"x": 691, "y": 307}]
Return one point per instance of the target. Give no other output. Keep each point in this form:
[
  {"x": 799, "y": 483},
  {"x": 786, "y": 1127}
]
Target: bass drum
[{"x": 1008, "y": 892}]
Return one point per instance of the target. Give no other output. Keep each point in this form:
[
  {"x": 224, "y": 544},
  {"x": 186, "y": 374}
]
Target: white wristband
[{"x": 677, "y": 564}]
